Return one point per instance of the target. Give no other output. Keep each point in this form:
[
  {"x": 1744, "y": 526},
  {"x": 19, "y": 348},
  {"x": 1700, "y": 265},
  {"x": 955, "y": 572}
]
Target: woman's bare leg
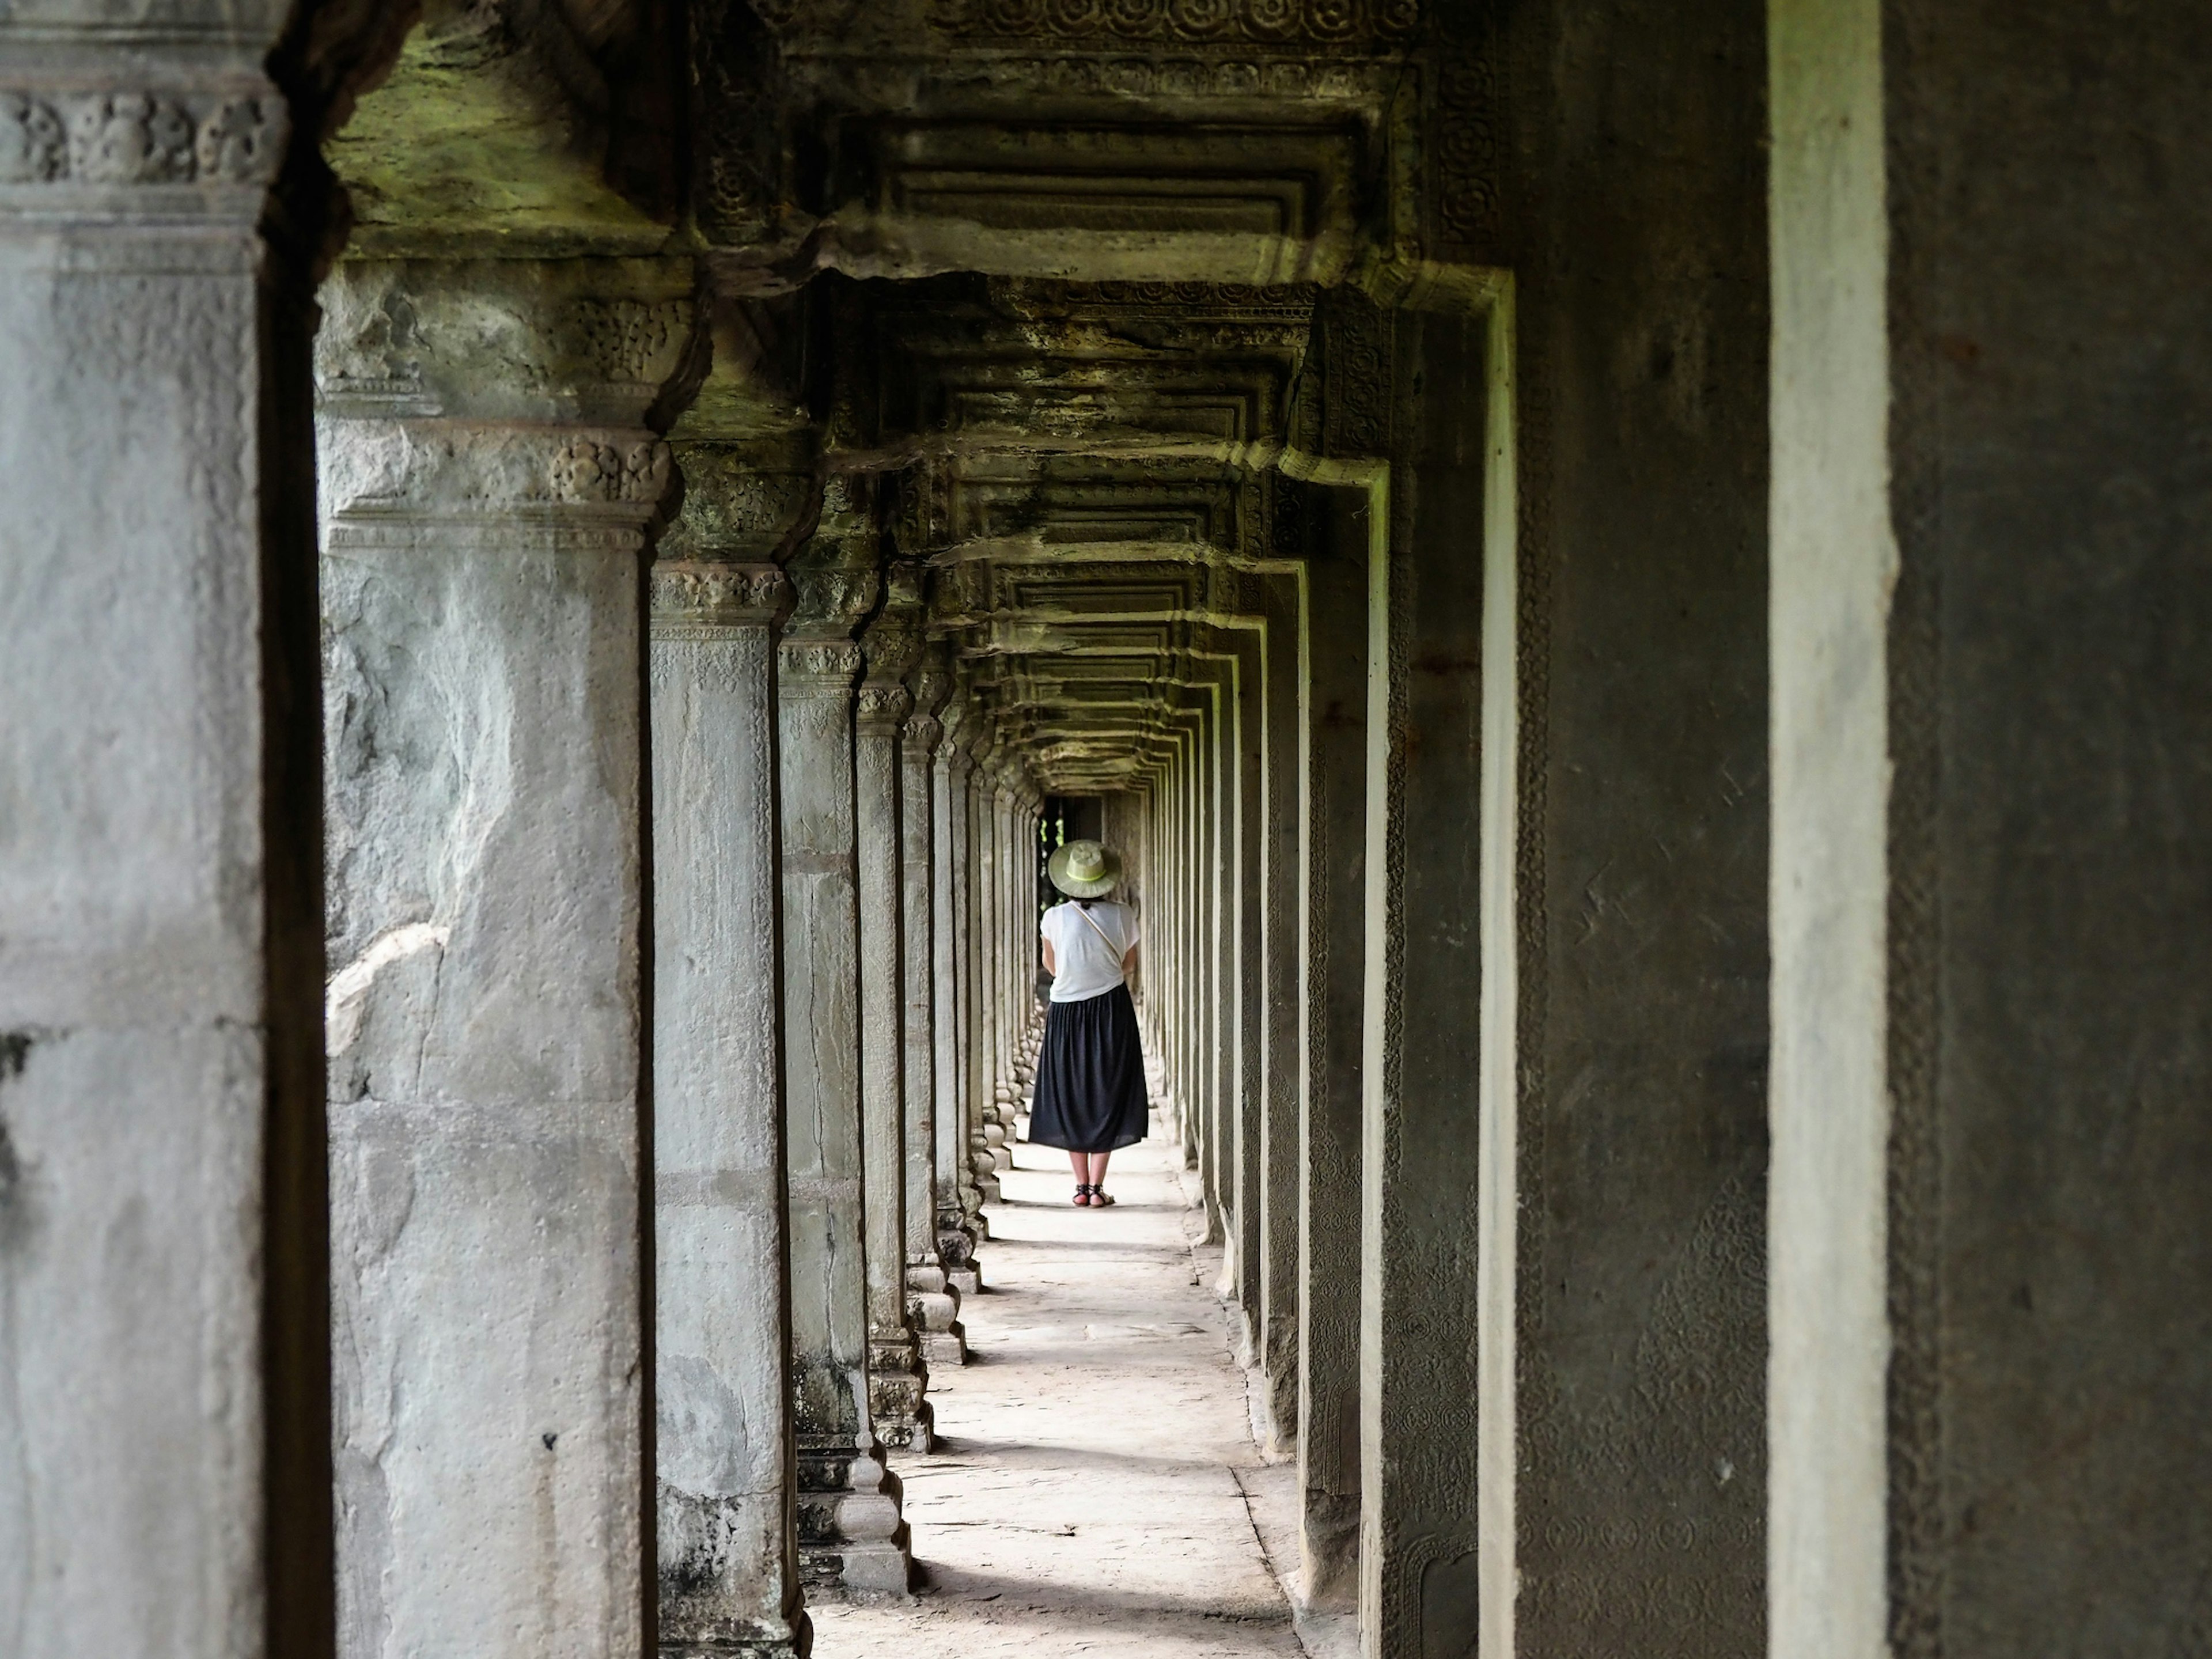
[
  {"x": 1098, "y": 1175},
  {"x": 1080, "y": 1161}
]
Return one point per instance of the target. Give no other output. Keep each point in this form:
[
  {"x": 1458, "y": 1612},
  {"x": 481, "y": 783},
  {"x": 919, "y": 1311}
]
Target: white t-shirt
[{"x": 1088, "y": 965}]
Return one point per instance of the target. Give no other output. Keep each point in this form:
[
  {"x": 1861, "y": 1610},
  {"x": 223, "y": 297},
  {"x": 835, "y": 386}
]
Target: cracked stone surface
[{"x": 1095, "y": 1487}]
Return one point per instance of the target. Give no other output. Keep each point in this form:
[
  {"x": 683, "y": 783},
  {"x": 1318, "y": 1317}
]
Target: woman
[{"x": 1090, "y": 1077}]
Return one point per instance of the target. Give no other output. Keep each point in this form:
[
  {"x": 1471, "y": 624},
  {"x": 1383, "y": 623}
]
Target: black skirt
[{"x": 1090, "y": 1076}]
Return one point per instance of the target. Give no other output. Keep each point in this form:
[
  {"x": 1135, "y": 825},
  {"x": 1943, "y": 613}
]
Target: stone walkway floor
[{"x": 1096, "y": 1490}]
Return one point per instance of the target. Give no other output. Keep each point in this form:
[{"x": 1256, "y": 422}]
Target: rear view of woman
[{"x": 1090, "y": 1077}]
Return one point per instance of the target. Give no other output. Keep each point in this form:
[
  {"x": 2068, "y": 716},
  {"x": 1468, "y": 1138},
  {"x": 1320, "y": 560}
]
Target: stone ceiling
[{"x": 1042, "y": 301}]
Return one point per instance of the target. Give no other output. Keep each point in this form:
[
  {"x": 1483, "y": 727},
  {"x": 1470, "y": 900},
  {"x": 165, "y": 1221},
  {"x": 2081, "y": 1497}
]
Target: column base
[
  {"x": 933, "y": 1308},
  {"x": 797, "y": 1642},
  {"x": 898, "y": 1390},
  {"x": 1328, "y": 1552},
  {"x": 853, "y": 1544}
]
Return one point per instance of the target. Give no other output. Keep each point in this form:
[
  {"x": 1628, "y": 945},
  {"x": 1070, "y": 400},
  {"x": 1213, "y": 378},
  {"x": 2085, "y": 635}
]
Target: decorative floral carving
[
  {"x": 587, "y": 470},
  {"x": 139, "y": 138},
  {"x": 1197, "y": 21},
  {"x": 33, "y": 146},
  {"x": 820, "y": 658},
  {"x": 131, "y": 138}
]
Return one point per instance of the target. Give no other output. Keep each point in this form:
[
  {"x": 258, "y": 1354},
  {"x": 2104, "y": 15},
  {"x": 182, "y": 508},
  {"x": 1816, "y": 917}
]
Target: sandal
[
  {"x": 1100, "y": 1195},
  {"x": 1082, "y": 1194}
]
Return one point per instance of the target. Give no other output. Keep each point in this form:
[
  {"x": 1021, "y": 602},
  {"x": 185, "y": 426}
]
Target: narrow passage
[{"x": 1090, "y": 1495}]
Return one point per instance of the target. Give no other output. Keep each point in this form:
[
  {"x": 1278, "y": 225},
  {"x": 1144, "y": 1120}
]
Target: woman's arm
[{"x": 1050, "y": 966}]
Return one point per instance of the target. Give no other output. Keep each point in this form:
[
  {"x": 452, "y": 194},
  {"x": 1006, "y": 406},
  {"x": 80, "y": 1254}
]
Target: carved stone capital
[
  {"x": 447, "y": 469},
  {"x": 817, "y": 666},
  {"x": 882, "y": 707},
  {"x": 704, "y": 595},
  {"x": 588, "y": 341},
  {"x": 833, "y": 598},
  {"x": 91, "y": 140},
  {"x": 734, "y": 508},
  {"x": 921, "y": 732}
]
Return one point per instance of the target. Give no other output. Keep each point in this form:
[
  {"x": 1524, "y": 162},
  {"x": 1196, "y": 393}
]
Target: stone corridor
[
  {"x": 1631, "y": 583},
  {"x": 1092, "y": 1492}
]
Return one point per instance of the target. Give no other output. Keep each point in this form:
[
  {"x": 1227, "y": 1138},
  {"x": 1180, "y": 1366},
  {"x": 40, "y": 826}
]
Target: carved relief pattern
[
  {"x": 140, "y": 138},
  {"x": 586, "y": 470},
  {"x": 1356, "y": 378},
  {"x": 1466, "y": 142},
  {"x": 1272, "y": 23},
  {"x": 718, "y": 593},
  {"x": 633, "y": 340},
  {"x": 829, "y": 659}
]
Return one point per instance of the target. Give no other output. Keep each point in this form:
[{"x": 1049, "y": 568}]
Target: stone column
[
  {"x": 935, "y": 1300},
  {"x": 960, "y": 1226},
  {"x": 852, "y": 1535},
  {"x": 1244, "y": 1007},
  {"x": 1422, "y": 1067},
  {"x": 990, "y": 946},
  {"x": 727, "y": 1544},
  {"x": 1991, "y": 1288},
  {"x": 486, "y": 516},
  {"x": 897, "y": 1380},
  {"x": 982, "y": 1185},
  {"x": 164, "y": 1317},
  {"x": 1333, "y": 886},
  {"x": 1282, "y": 674}
]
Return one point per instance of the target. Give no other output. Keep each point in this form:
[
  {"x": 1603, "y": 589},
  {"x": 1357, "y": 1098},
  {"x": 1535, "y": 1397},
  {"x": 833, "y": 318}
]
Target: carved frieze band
[
  {"x": 399, "y": 465},
  {"x": 710, "y": 595},
  {"x": 836, "y": 661},
  {"x": 140, "y": 138},
  {"x": 1267, "y": 21}
]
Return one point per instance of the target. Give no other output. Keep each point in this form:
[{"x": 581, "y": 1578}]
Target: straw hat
[{"x": 1084, "y": 869}]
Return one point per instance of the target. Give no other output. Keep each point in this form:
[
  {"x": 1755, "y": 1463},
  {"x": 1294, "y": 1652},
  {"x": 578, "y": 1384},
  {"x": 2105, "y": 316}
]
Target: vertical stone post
[
  {"x": 935, "y": 1300},
  {"x": 164, "y": 1323},
  {"x": 1283, "y": 670},
  {"x": 1991, "y": 920},
  {"x": 897, "y": 1378},
  {"x": 1244, "y": 1006},
  {"x": 1420, "y": 1157},
  {"x": 727, "y": 1545},
  {"x": 487, "y": 512},
  {"x": 1332, "y": 884},
  {"x": 852, "y": 1535},
  {"x": 960, "y": 1225}
]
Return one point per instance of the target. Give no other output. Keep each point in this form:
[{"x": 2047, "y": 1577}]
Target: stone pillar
[
  {"x": 960, "y": 1224},
  {"x": 486, "y": 516},
  {"x": 1422, "y": 1064},
  {"x": 1244, "y": 967},
  {"x": 1282, "y": 670},
  {"x": 1331, "y": 905},
  {"x": 852, "y": 1535},
  {"x": 164, "y": 1319},
  {"x": 897, "y": 1380},
  {"x": 1991, "y": 1289},
  {"x": 727, "y": 1545},
  {"x": 980, "y": 1184},
  {"x": 990, "y": 941},
  {"x": 935, "y": 1301}
]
